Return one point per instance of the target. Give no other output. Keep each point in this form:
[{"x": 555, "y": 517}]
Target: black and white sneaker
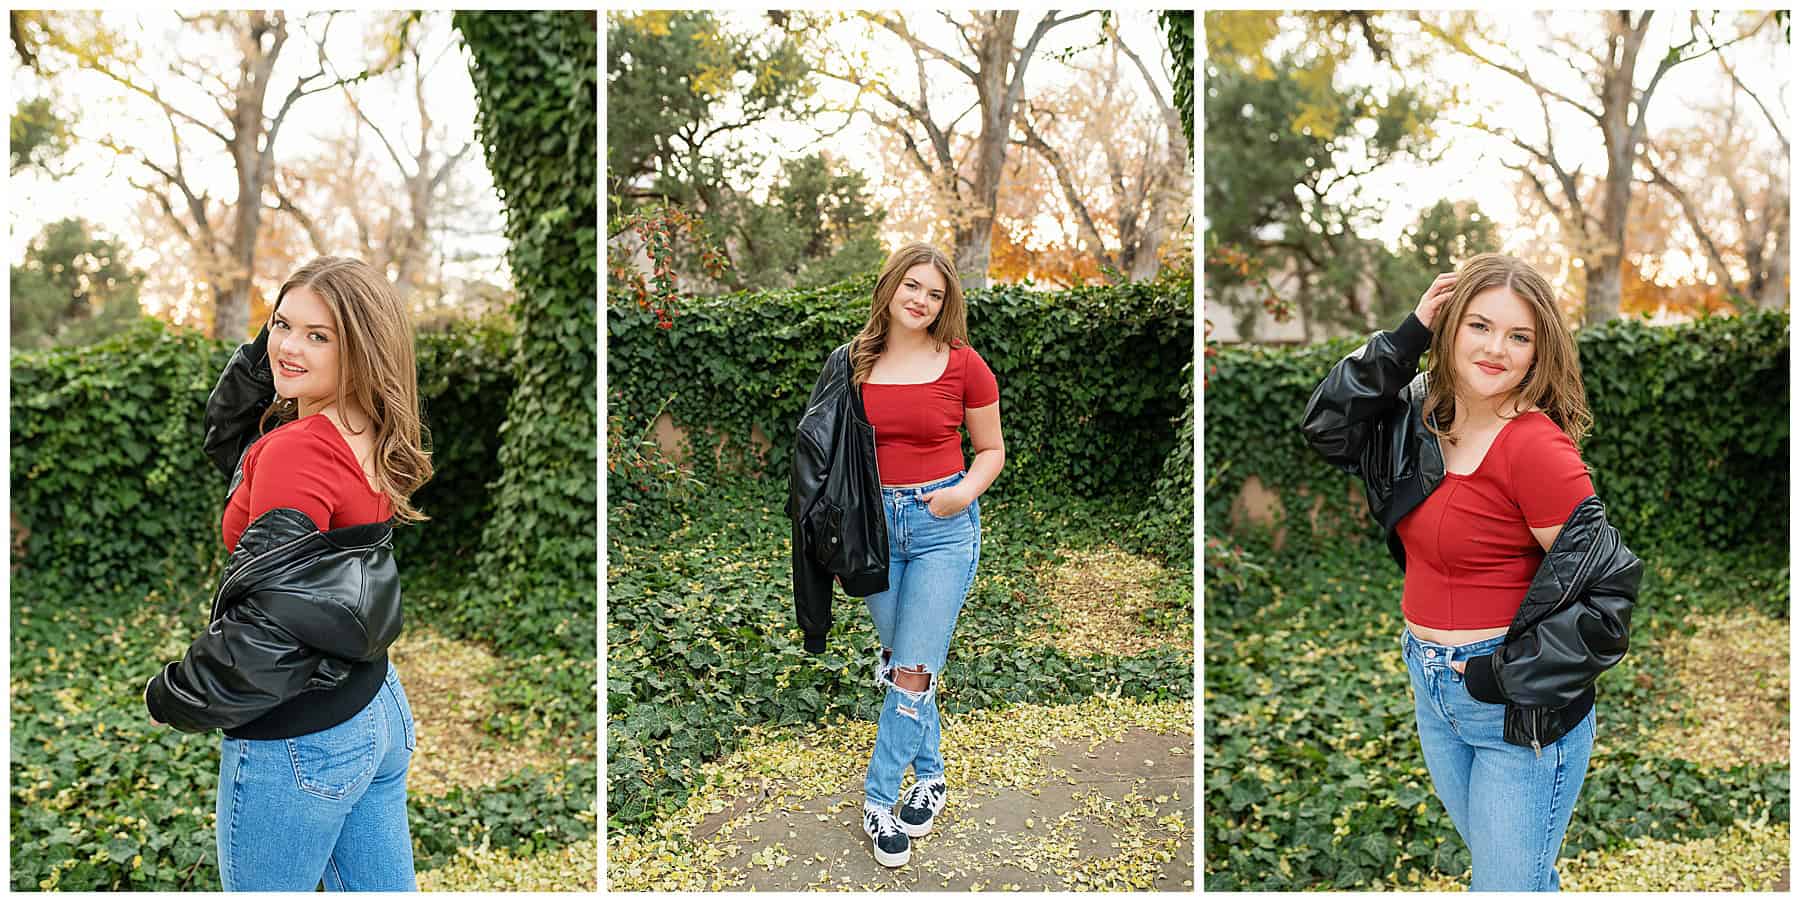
[
  {"x": 892, "y": 848},
  {"x": 920, "y": 805}
]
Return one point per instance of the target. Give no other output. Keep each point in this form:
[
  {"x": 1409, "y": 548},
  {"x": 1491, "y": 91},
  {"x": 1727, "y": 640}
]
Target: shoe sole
[
  {"x": 891, "y": 860},
  {"x": 916, "y": 830}
]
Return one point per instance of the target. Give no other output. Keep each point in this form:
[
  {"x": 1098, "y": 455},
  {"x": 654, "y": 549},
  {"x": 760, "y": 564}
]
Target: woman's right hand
[{"x": 1434, "y": 298}]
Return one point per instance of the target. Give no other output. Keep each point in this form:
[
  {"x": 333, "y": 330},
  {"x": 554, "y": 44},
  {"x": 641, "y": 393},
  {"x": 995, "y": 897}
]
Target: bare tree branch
[
  {"x": 1731, "y": 72},
  {"x": 314, "y": 234},
  {"x": 1517, "y": 72},
  {"x": 1090, "y": 233},
  {"x": 900, "y": 30},
  {"x": 1692, "y": 214}
]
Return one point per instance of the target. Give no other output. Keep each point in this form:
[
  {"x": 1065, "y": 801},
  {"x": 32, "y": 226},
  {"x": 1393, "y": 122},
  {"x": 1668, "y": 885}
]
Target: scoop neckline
[
  {"x": 1491, "y": 447},
  {"x": 343, "y": 444},
  {"x": 940, "y": 376}
]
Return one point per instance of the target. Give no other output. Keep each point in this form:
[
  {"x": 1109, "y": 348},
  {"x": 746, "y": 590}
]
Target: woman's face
[
  {"x": 303, "y": 348},
  {"x": 919, "y": 298},
  {"x": 1496, "y": 343}
]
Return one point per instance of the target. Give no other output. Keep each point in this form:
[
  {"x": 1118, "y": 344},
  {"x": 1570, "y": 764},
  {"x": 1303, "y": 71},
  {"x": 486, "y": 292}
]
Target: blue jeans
[
  {"x": 327, "y": 806},
  {"x": 1510, "y": 805},
  {"x": 931, "y": 565}
]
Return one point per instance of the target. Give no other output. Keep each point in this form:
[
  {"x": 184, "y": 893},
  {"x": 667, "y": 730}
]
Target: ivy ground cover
[
  {"x": 102, "y": 800},
  {"x": 1313, "y": 774},
  {"x": 704, "y": 657}
]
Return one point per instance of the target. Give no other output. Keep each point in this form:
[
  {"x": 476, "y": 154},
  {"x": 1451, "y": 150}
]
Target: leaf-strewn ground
[
  {"x": 103, "y": 800},
  {"x": 1097, "y": 795},
  {"x": 1314, "y": 775},
  {"x": 706, "y": 667}
]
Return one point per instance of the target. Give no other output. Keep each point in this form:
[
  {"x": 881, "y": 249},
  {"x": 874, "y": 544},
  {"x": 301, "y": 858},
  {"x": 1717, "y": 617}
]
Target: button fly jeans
[
  {"x": 931, "y": 565},
  {"x": 1510, "y": 805},
  {"x": 327, "y": 806}
]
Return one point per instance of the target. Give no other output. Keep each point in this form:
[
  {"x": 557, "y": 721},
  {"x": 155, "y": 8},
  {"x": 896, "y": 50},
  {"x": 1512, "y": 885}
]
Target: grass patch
[
  {"x": 1750, "y": 857},
  {"x": 1101, "y": 596},
  {"x": 101, "y": 800},
  {"x": 1730, "y": 683},
  {"x": 456, "y": 746},
  {"x": 568, "y": 869}
]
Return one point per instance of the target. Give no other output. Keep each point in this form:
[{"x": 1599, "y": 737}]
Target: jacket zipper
[
  {"x": 246, "y": 566},
  {"x": 1535, "y": 747}
]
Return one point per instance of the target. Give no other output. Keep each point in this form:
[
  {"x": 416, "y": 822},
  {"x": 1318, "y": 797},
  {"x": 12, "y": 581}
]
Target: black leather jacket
[
  {"x": 295, "y": 606},
  {"x": 1367, "y": 418},
  {"x": 834, "y": 501}
]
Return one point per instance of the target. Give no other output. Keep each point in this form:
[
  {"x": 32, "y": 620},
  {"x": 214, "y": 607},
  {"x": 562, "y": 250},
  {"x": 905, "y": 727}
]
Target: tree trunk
[
  {"x": 998, "y": 75},
  {"x": 1616, "y": 88},
  {"x": 994, "y": 63},
  {"x": 231, "y": 316},
  {"x": 1774, "y": 294}
]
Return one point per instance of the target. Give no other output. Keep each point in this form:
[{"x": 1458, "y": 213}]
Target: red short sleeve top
[
  {"x": 917, "y": 437},
  {"x": 305, "y": 465},
  {"x": 1470, "y": 553}
]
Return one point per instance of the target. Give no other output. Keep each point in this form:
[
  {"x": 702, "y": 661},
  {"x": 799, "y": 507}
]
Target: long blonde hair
[
  {"x": 1552, "y": 383},
  {"x": 951, "y": 326},
  {"x": 376, "y": 366}
]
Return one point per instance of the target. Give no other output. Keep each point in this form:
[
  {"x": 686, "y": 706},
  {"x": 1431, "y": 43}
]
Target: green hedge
[
  {"x": 1690, "y": 438},
  {"x": 535, "y": 76},
  {"x": 1090, "y": 379},
  {"x": 113, "y": 492}
]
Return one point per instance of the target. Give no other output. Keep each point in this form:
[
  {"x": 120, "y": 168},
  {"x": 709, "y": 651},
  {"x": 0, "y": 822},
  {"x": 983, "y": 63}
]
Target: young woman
[
  {"x": 1517, "y": 592},
  {"x": 318, "y": 735},
  {"x": 919, "y": 381}
]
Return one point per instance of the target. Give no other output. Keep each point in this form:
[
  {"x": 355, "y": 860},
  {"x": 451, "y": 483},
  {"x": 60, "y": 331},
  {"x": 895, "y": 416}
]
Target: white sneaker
[
  {"x": 921, "y": 805},
  {"x": 892, "y": 848}
]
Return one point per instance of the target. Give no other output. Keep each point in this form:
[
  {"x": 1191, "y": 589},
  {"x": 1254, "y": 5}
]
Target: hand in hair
[{"x": 1434, "y": 297}]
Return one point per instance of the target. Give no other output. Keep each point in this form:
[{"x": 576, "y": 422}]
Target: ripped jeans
[{"x": 931, "y": 565}]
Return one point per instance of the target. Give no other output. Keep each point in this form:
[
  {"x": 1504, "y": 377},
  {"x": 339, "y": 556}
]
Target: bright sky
[
  {"x": 951, "y": 91},
  {"x": 1473, "y": 166},
  {"x": 100, "y": 189}
]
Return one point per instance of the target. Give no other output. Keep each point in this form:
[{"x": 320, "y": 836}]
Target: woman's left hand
[
  {"x": 1458, "y": 666},
  {"x": 950, "y": 498}
]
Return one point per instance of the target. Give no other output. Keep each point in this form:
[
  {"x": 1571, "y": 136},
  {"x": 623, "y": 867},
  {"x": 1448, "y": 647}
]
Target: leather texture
[
  {"x": 294, "y": 607},
  {"x": 834, "y": 501},
  {"x": 1367, "y": 418},
  {"x": 244, "y": 390}
]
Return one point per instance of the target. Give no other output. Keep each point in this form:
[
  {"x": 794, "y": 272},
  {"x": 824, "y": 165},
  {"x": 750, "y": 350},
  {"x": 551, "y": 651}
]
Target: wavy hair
[
  {"x": 376, "y": 366},
  {"x": 951, "y": 326},
  {"x": 1553, "y": 381}
]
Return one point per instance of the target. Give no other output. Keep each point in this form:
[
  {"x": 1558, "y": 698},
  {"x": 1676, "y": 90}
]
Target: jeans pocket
[
  {"x": 961, "y": 514},
  {"x": 336, "y": 761}
]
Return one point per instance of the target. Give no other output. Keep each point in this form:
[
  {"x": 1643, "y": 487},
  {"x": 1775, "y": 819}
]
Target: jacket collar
[{"x": 282, "y": 536}]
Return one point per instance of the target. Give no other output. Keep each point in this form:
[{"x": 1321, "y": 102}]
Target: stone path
[{"x": 1095, "y": 807}]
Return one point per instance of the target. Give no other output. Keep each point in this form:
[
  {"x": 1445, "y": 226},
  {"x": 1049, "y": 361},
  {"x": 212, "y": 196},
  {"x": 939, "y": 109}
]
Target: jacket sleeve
[
  {"x": 1346, "y": 408},
  {"x": 1555, "y": 661},
  {"x": 812, "y": 593},
  {"x": 241, "y": 667},
  {"x": 237, "y": 402},
  {"x": 812, "y": 582}
]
